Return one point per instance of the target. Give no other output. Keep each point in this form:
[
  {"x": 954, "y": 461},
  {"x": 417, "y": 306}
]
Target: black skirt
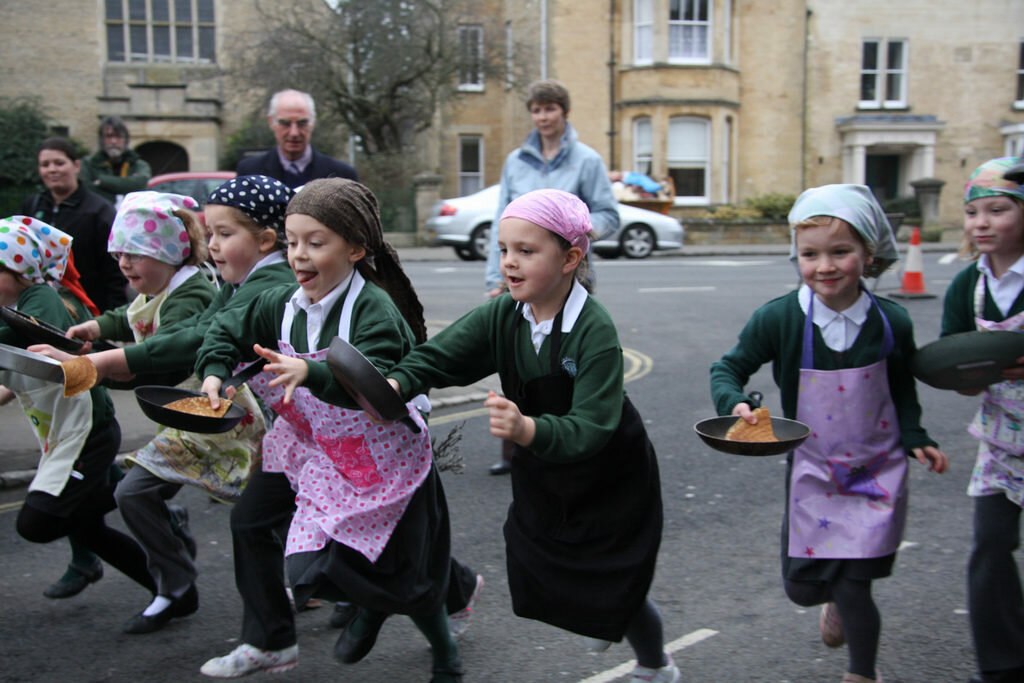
[
  {"x": 89, "y": 486},
  {"x": 409, "y": 577}
]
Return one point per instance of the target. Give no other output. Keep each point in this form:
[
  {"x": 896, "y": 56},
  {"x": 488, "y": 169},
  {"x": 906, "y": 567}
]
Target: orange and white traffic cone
[{"x": 913, "y": 273}]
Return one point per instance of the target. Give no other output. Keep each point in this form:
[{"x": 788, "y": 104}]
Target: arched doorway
[{"x": 164, "y": 157}]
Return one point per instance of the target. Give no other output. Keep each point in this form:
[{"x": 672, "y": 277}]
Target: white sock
[{"x": 159, "y": 604}]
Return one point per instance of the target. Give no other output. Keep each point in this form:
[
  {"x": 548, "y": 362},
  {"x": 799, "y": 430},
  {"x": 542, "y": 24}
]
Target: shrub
[
  {"x": 773, "y": 205},
  {"x": 26, "y": 125}
]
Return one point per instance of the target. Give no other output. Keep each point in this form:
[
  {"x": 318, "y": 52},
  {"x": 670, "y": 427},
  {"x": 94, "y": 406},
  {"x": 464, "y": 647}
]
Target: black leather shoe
[
  {"x": 449, "y": 673},
  {"x": 350, "y": 648},
  {"x": 179, "y": 525},
  {"x": 74, "y": 581},
  {"x": 343, "y": 614},
  {"x": 182, "y": 607},
  {"x": 502, "y": 467}
]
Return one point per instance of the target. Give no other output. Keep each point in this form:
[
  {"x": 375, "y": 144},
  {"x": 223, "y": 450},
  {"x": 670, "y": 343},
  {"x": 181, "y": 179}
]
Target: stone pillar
[
  {"x": 927, "y": 191},
  {"x": 428, "y": 193},
  {"x": 860, "y": 164}
]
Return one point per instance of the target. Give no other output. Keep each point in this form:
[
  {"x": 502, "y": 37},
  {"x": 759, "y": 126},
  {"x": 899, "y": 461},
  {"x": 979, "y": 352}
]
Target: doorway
[
  {"x": 164, "y": 157},
  {"x": 882, "y": 175}
]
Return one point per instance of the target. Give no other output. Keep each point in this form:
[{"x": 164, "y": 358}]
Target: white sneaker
[
  {"x": 246, "y": 659},
  {"x": 459, "y": 622},
  {"x": 666, "y": 674},
  {"x": 596, "y": 644}
]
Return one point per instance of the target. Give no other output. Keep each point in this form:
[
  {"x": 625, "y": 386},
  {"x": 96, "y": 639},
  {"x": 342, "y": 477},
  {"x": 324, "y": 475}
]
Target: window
[
  {"x": 643, "y": 31},
  {"x": 689, "y": 30},
  {"x": 471, "y": 164},
  {"x": 1019, "y": 104},
  {"x": 883, "y": 74},
  {"x": 642, "y": 146},
  {"x": 160, "y": 31},
  {"x": 471, "y": 53},
  {"x": 688, "y": 160}
]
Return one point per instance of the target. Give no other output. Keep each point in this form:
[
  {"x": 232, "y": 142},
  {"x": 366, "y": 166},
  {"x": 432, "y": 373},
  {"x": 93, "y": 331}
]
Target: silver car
[{"x": 464, "y": 223}]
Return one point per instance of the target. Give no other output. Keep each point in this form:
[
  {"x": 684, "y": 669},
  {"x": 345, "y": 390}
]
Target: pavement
[{"x": 20, "y": 454}]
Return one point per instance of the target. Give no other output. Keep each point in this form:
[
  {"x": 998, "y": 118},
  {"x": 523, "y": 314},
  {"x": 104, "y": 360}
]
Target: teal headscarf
[
  {"x": 856, "y": 205},
  {"x": 987, "y": 181}
]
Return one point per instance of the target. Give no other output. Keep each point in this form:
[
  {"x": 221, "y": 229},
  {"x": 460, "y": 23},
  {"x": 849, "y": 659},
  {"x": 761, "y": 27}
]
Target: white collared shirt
[
  {"x": 1005, "y": 289},
  {"x": 838, "y": 329},
  {"x": 570, "y": 313},
  {"x": 301, "y": 163},
  {"x": 270, "y": 259},
  {"x": 317, "y": 313}
]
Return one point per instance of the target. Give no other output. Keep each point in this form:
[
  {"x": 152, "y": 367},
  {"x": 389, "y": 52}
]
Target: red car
[{"x": 195, "y": 184}]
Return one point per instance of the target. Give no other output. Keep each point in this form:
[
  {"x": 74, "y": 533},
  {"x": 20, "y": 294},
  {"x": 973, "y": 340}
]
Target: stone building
[{"x": 732, "y": 99}]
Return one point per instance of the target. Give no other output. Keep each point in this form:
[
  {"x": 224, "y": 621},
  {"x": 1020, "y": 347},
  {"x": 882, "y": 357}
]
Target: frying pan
[
  {"x": 365, "y": 384},
  {"x": 38, "y": 331},
  {"x": 790, "y": 434},
  {"x": 152, "y": 398},
  {"x": 32, "y": 364},
  {"x": 968, "y": 360}
]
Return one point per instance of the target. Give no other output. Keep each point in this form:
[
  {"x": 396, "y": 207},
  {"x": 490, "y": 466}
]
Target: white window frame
[
  {"x": 471, "y": 66},
  {"x": 471, "y": 181},
  {"x": 643, "y": 145},
  {"x": 643, "y": 32},
  {"x": 1019, "y": 101},
  {"x": 883, "y": 73},
  {"x": 690, "y": 159},
  {"x": 695, "y": 26},
  {"x": 200, "y": 31}
]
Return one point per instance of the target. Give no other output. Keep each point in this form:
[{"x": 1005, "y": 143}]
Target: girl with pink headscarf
[{"x": 586, "y": 514}]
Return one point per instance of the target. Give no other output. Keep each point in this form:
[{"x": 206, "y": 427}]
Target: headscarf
[
  {"x": 259, "y": 197},
  {"x": 345, "y": 206},
  {"x": 987, "y": 181},
  {"x": 561, "y": 212},
  {"x": 40, "y": 252},
  {"x": 145, "y": 225},
  {"x": 856, "y": 205}
]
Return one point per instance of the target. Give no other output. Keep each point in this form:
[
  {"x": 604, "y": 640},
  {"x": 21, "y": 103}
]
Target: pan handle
[
  {"x": 756, "y": 397},
  {"x": 245, "y": 375}
]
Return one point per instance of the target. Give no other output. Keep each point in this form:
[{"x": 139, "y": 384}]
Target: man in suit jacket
[{"x": 292, "y": 117}]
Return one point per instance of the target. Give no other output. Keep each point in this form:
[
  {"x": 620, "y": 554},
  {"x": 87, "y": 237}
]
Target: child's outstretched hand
[
  {"x": 6, "y": 395},
  {"x": 291, "y": 372},
  {"x": 931, "y": 456},
  {"x": 89, "y": 330},
  {"x": 507, "y": 422}
]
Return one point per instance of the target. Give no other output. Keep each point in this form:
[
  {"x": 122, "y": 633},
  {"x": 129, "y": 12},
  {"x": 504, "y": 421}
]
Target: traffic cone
[{"x": 913, "y": 273}]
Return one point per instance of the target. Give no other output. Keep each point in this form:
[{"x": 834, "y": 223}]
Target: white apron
[
  {"x": 353, "y": 478},
  {"x": 848, "y": 496},
  {"x": 998, "y": 423}
]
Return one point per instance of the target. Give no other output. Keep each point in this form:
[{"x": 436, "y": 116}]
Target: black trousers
[{"x": 994, "y": 595}]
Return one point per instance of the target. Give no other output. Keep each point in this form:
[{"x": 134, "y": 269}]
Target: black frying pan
[
  {"x": 152, "y": 398},
  {"x": 790, "y": 434},
  {"x": 365, "y": 384},
  {"x": 37, "y": 331}
]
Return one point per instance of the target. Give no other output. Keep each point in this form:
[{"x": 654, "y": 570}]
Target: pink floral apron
[
  {"x": 353, "y": 477},
  {"x": 847, "y": 495},
  {"x": 998, "y": 423}
]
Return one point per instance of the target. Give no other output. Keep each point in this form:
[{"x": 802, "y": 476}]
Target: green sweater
[
  {"x": 958, "y": 304},
  {"x": 44, "y": 303},
  {"x": 176, "y": 350},
  {"x": 477, "y": 345},
  {"x": 377, "y": 330},
  {"x": 130, "y": 174},
  {"x": 774, "y": 335}
]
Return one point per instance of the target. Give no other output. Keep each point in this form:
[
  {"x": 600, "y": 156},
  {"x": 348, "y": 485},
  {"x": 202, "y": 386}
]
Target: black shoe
[
  {"x": 350, "y": 648},
  {"x": 343, "y": 614},
  {"x": 449, "y": 673},
  {"x": 75, "y": 580},
  {"x": 502, "y": 467},
  {"x": 182, "y": 607},
  {"x": 179, "y": 525},
  {"x": 1002, "y": 676}
]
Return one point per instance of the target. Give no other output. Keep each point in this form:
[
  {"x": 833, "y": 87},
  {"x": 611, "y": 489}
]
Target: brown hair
[
  {"x": 254, "y": 228},
  {"x": 582, "y": 271},
  {"x": 196, "y": 237},
  {"x": 548, "y": 92},
  {"x": 59, "y": 145}
]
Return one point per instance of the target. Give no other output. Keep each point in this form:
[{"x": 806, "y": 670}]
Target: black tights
[
  {"x": 646, "y": 637},
  {"x": 862, "y": 624}
]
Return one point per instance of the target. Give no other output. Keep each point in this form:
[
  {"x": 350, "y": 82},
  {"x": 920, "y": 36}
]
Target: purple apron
[{"x": 848, "y": 496}]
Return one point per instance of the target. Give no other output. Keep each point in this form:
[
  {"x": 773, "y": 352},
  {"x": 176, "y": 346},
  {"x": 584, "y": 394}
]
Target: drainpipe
[
  {"x": 803, "y": 103},
  {"x": 543, "y": 39},
  {"x": 612, "y": 133}
]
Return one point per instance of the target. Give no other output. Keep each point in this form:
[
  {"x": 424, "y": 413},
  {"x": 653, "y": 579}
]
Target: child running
[
  {"x": 350, "y": 285},
  {"x": 840, "y": 357},
  {"x": 79, "y": 436},
  {"x": 586, "y": 515},
  {"x": 987, "y": 295}
]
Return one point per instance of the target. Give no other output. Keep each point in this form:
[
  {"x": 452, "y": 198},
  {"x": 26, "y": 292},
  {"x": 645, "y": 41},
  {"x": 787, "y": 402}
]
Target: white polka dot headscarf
[
  {"x": 33, "y": 248},
  {"x": 259, "y": 197},
  {"x": 145, "y": 225}
]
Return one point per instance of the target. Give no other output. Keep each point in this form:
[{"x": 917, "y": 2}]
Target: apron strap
[
  {"x": 344, "y": 322},
  {"x": 554, "y": 347},
  {"x": 807, "y": 352}
]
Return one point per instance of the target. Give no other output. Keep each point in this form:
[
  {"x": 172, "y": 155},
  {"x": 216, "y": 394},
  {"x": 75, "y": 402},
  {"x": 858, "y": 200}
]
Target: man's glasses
[{"x": 301, "y": 124}]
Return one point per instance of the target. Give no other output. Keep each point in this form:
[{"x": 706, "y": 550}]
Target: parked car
[
  {"x": 464, "y": 223},
  {"x": 195, "y": 184}
]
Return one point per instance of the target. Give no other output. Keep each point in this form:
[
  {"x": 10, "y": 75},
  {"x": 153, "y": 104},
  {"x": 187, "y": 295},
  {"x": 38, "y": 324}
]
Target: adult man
[
  {"x": 292, "y": 117},
  {"x": 66, "y": 204},
  {"x": 114, "y": 170}
]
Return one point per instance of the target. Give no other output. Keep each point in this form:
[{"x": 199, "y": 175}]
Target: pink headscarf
[{"x": 560, "y": 212}]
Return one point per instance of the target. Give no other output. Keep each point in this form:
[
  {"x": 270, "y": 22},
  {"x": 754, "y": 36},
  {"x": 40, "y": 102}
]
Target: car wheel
[
  {"x": 465, "y": 253},
  {"x": 480, "y": 241},
  {"x": 637, "y": 241}
]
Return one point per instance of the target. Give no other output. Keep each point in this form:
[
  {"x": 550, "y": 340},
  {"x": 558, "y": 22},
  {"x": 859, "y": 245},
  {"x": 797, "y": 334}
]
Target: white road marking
[
  {"x": 908, "y": 544},
  {"x": 728, "y": 263},
  {"x": 656, "y": 290},
  {"x": 689, "y": 639},
  {"x": 948, "y": 258}
]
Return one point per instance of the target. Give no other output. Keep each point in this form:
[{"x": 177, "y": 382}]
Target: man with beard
[{"x": 114, "y": 170}]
